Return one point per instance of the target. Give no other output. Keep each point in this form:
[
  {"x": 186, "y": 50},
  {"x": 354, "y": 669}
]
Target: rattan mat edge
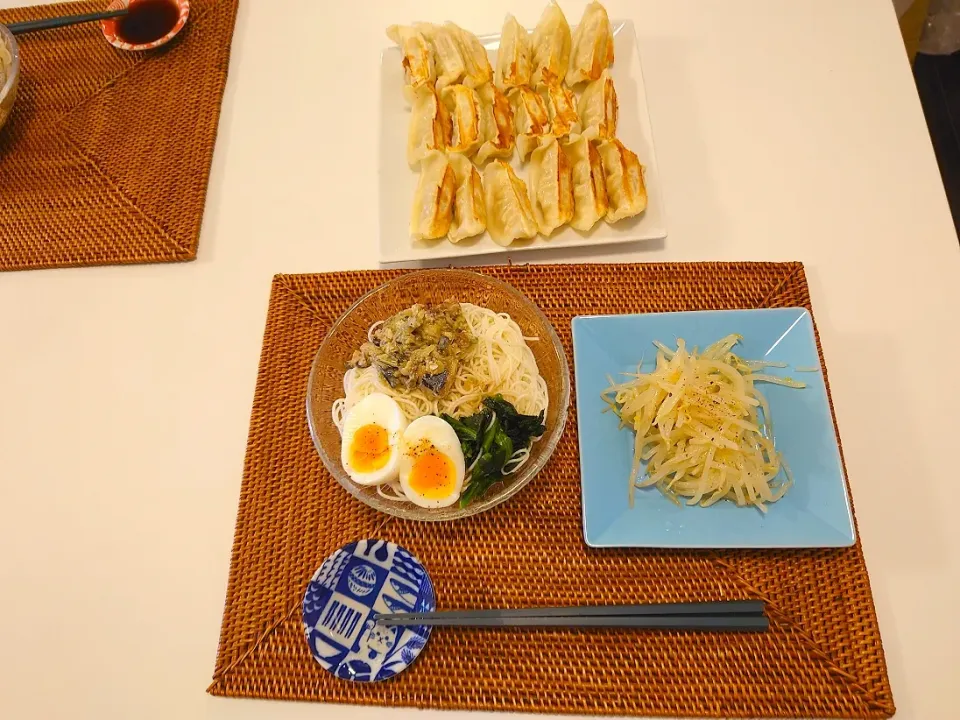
[
  {"x": 823, "y": 656},
  {"x": 107, "y": 161}
]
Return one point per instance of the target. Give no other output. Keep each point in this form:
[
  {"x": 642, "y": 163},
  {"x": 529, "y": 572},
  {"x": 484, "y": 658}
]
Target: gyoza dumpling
[
  {"x": 530, "y": 118},
  {"x": 561, "y": 107},
  {"x": 515, "y": 56},
  {"x": 626, "y": 193},
  {"x": 496, "y": 124},
  {"x": 509, "y": 214},
  {"x": 469, "y": 213},
  {"x": 591, "y": 50},
  {"x": 551, "y": 187},
  {"x": 551, "y": 47},
  {"x": 446, "y": 53},
  {"x": 589, "y": 183},
  {"x": 463, "y": 107},
  {"x": 433, "y": 200},
  {"x": 418, "y": 64},
  {"x": 429, "y": 125},
  {"x": 598, "y": 108},
  {"x": 476, "y": 63}
]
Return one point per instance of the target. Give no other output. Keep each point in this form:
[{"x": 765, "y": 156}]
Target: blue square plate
[{"x": 815, "y": 512}]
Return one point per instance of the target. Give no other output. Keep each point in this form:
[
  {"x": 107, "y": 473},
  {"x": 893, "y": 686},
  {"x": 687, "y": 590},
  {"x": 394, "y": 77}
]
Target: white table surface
[{"x": 784, "y": 131}]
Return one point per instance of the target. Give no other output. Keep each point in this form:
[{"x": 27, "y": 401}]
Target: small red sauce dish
[{"x": 150, "y": 23}]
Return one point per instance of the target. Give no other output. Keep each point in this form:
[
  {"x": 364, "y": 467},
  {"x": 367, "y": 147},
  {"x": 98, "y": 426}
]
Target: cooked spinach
[
  {"x": 521, "y": 428},
  {"x": 489, "y": 439}
]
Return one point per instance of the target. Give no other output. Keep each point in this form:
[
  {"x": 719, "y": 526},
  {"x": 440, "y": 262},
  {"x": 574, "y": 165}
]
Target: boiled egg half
[
  {"x": 372, "y": 433},
  {"x": 431, "y": 463}
]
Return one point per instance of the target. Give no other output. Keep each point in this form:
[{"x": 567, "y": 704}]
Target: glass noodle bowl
[
  {"x": 431, "y": 287},
  {"x": 9, "y": 73}
]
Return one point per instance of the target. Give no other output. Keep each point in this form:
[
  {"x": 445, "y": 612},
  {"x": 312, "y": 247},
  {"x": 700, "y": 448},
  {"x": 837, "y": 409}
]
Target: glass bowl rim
[{"x": 13, "y": 71}]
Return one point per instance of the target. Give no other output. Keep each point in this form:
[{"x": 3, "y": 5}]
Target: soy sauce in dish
[{"x": 147, "y": 21}]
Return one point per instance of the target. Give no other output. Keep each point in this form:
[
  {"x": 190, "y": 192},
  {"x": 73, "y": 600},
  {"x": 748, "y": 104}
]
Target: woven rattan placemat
[
  {"x": 106, "y": 156},
  {"x": 822, "y": 656}
]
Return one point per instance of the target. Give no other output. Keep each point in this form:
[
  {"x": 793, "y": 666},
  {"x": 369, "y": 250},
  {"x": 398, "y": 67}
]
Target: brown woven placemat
[
  {"x": 106, "y": 156},
  {"x": 822, "y": 656}
]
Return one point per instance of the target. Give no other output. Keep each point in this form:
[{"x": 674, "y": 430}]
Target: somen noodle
[{"x": 499, "y": 363}]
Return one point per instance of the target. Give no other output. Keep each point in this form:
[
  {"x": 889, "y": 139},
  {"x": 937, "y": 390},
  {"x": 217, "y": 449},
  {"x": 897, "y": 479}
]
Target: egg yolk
[
  {"x": 370, "y": 449},
  {"x": 432, "y": 475}
]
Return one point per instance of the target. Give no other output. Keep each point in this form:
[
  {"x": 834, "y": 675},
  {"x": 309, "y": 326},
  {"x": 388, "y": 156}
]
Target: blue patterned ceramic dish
[
  {"x": 815, "y": 512},
  {"x": 358, "y": 580}
]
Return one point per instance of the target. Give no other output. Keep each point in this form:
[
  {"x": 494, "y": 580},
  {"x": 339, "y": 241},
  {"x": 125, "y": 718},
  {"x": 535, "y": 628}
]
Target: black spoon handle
[{"x": 56, "y": 22}]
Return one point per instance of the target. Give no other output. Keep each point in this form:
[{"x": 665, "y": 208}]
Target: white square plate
[{"x": 398, "y": 182}]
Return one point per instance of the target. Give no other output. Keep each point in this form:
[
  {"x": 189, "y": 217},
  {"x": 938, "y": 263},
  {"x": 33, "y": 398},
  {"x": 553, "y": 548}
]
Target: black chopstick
[
  {"x": 722, "y": 607},
  {"x": 729, "y": 616},
  {"x": 715, "y": 623},
  {"x": 56, "y": 22}
]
